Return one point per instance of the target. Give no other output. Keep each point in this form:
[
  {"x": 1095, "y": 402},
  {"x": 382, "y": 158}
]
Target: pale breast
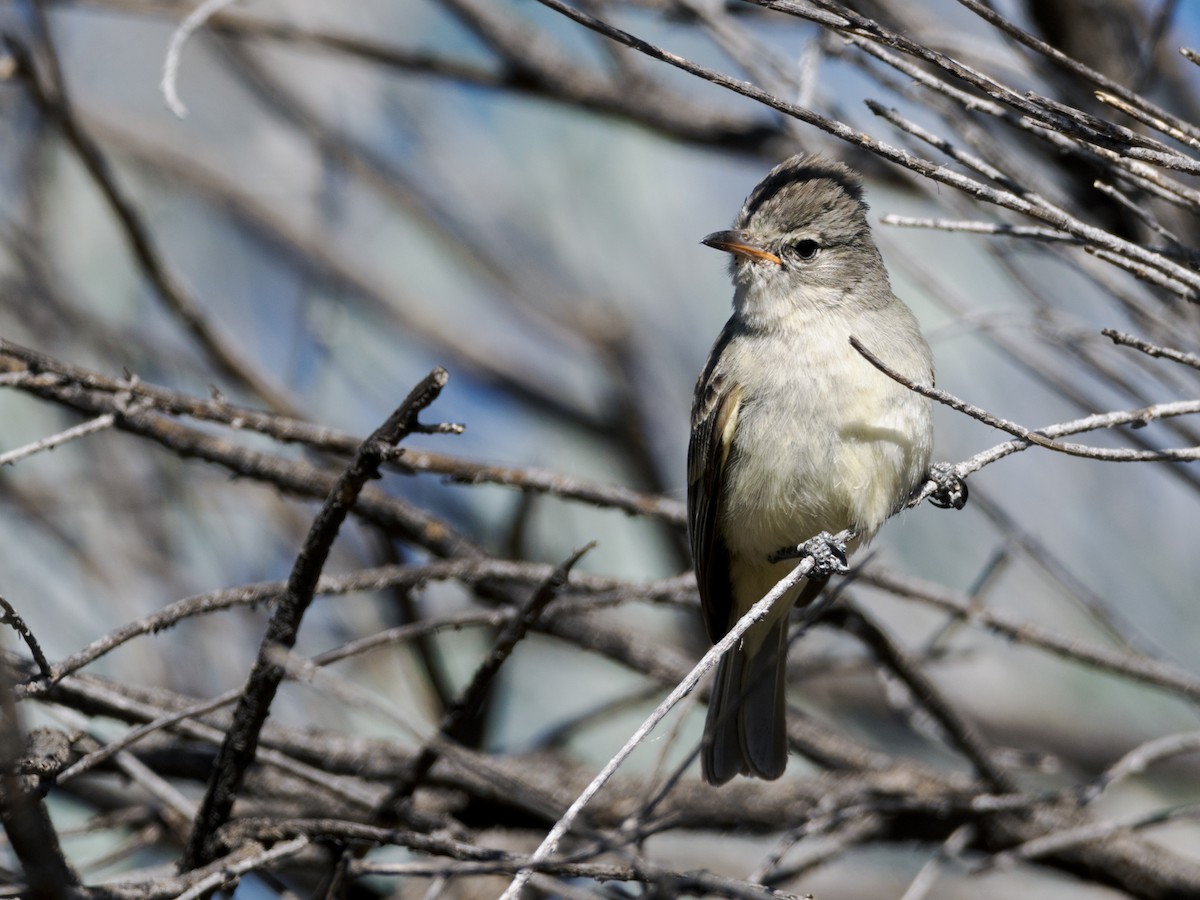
[{"x": 824, "y": 441}]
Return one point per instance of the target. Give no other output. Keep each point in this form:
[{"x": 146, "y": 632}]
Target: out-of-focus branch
[
  {"x": 459, "y": 715},
  {"x": 23, "y": 814},
  {"x": 1126, "y": 664},
  {"x": 551, "y": 76},
  {"x": 229, "y": 359},
  {"x": 45, "y": 373}
]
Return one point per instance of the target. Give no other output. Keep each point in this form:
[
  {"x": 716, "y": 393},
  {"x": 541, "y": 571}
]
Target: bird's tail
[{"x": 746, "y": 731}]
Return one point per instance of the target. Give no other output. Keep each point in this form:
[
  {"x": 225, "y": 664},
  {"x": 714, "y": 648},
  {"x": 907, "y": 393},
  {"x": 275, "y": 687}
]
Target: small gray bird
[{"x": 793, "y": 432}]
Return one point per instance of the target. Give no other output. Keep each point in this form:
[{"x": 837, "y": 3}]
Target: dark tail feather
[
  {"x": 746, "y": 731},
  {"x": 721, "y": 753}
]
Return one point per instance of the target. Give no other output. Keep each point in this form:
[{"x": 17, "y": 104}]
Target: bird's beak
[{"x": 739, "y": 243}]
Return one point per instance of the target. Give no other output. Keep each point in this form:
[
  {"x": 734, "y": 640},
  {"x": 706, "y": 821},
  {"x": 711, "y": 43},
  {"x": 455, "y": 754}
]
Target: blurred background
[{"x": 359, "y": 192}]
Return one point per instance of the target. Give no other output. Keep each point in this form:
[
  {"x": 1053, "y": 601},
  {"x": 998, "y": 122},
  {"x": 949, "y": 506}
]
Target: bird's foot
[
  {"x": 951, "y": 491},
  {"x": 827, "y": 551}
]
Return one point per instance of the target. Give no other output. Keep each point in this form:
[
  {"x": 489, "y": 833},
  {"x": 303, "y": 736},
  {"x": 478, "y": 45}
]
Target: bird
[{"x": 794, "y": 434}]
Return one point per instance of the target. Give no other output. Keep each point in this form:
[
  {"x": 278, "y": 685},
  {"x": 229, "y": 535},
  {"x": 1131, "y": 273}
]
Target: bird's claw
[
  {"x": 951, "y": 491},
  {"x": 827, "y": 551}
]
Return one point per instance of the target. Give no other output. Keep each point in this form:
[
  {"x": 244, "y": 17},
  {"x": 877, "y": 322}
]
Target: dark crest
[{"x": 791, "y": 177}]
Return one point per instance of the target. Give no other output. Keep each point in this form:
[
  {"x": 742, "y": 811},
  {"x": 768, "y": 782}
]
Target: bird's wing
[{"x": 714, "y": 419}]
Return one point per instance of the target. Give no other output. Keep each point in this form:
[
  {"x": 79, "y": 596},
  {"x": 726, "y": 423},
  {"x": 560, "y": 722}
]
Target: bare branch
[
  {"x": 178, "y": 299},
  {"x": 1039, "y": 438},
  {"x": 237, "y": 751}
]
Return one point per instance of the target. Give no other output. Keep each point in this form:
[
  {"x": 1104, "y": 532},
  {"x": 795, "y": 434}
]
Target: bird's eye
[{"x": 806, "y": 249}]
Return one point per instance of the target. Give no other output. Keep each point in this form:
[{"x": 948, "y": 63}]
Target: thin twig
[
  {"x": 1000, "y": 229},
  {"x": 1039, "y": 438},
  {"x": 1135, "y": 666},
  {"x": 460, "y": 714},
  {"x": 950, "y": 849},
  {"x": 961, "y": 731},
  {"x": 1058, "y": 841},
  {"x": 1128, "y": 340},
  {"x": 550, "y": 843},
  {"x": 237, "y": 751},
  {"x": 1139, "y": 759},
  {"x": 248, "y": 862},
  {"x": 12, "y": 619},
  {"x": 100, "y": 423},
  {"x": 192, "y": 23}
]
